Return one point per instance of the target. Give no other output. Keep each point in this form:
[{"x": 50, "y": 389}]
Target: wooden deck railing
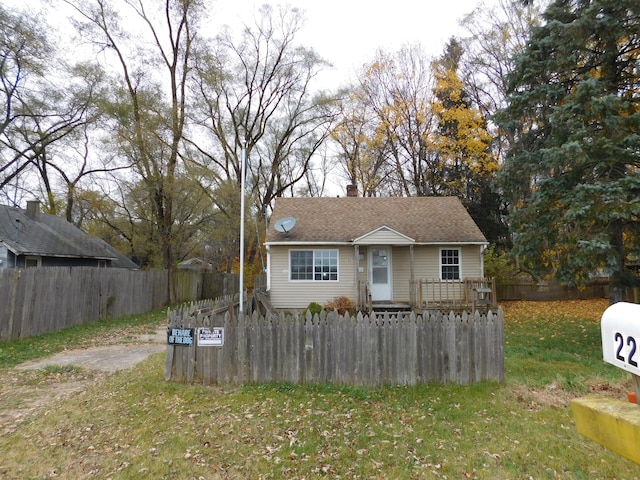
[
  {"x": 471, "y": 293},
  {"x": 434, "y": 294}
]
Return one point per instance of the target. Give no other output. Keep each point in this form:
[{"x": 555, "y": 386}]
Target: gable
[{"x": 384, "y": 236}]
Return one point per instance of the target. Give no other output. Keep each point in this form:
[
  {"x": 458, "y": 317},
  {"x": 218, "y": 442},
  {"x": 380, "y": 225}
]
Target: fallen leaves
[
  {"x": 525, "y": 312},
  {"x": 136, "y": 425}
]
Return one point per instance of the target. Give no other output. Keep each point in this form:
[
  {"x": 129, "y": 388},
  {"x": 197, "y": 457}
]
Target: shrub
[
  {"x": 314, "y": 308},
  {"x": 499, "y": 266},
  {"x": 341, "y": 304}
]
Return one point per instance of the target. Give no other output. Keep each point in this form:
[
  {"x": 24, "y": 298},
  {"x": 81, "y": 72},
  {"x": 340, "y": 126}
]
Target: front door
[{"x": 380, "y": 273}]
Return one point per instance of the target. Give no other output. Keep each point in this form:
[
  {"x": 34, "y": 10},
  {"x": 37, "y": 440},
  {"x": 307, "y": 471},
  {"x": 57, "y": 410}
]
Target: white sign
[
  {"x": 620, "y": 326},
  {"x": 211, "y": 337}
]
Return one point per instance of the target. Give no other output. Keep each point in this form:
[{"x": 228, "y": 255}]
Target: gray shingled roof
[
  {"x": 51, "y": 236},
  {"x": 424, "y": 219}
]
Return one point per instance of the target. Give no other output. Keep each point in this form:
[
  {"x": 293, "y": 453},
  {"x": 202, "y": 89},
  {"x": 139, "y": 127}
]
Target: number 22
[{"x": 631, "y": 342}]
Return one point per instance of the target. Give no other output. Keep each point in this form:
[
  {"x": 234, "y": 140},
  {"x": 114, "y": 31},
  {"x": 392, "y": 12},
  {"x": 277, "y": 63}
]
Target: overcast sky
[{"x": 348, "y": 32}]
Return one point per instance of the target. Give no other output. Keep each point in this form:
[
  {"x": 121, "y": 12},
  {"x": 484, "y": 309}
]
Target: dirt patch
[
  {"x": 30, "y": 387},
  {"x": 105, "y": 359},
  {"x": 553, "y": 395}
]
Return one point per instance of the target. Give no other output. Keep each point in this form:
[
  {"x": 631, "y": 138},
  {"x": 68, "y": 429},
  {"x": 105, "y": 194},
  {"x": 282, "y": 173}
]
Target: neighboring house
[
  {"x": 30, "y": 238},
  {"x": 409, "y": 251},
  {"x": 196, "y": 264}
]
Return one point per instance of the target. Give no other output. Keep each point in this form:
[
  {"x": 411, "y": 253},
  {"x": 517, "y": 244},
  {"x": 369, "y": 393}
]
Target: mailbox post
[
  {"x": 612, "y": 422},
  {"x": 620, "y": 327}
]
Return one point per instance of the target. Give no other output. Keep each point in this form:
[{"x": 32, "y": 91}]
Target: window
[
  {"x": 30, "y": 262},
  {"x": 317, "y": 265},
  {"x": 450, "y": 264}
]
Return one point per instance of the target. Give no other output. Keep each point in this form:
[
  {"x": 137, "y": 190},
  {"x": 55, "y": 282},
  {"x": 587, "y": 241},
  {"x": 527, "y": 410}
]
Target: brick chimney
[
  {"x": 33, "y": 208},
  {"x": 352, "y": 190}
]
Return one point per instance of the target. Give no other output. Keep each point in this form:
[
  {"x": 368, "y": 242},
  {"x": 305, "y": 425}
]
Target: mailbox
[{"x": 620, "y": 325}]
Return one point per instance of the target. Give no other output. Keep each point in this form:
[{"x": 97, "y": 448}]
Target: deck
[{"x": 468, "y": 294}]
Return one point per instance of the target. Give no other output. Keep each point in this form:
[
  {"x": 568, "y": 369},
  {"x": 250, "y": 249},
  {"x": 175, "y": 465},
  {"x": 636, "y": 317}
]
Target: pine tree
[{"x": 572, "y": 172}]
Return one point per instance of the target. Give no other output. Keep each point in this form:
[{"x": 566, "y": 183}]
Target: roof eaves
[
  {"x": 444, "y": 242},
  {"x": 302, "y": 242}
]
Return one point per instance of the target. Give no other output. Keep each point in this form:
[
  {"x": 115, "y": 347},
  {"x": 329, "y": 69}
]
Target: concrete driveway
[{"x": 106, "y": 359}]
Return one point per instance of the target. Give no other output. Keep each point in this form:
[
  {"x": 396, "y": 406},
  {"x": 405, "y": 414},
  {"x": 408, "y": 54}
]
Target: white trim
[
  {"x": 313, "y": 280},
  {"x": 310, "y": 244},
  {"x": 32, "y": 257},
  {"x": 460, "y": 276},
  {"x": 389, "y": 266},
  {"x": 351, "y": 243},
  {"x": 268, "y": 249}
]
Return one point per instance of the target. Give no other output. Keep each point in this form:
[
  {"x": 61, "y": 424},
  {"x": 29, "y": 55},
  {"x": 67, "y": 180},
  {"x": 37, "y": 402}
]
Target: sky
[{"x": 347, "y": 33}]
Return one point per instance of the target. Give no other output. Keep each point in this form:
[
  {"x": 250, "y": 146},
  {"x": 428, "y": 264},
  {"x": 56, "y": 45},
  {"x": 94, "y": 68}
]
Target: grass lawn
[{"x": 133, "y": 424}]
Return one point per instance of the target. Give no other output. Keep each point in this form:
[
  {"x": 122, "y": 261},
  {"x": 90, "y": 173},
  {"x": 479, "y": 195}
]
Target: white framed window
[
  {"x": 450, "y": 264},
  {"x": 30, "y": 262},
  {"x": 313, "y": 265}
]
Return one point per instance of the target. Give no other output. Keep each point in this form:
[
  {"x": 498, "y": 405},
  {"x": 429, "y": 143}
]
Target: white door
[{"x": 380, "y": 273}]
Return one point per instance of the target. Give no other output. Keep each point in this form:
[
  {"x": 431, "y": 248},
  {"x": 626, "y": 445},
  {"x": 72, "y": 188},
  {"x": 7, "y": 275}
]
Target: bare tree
[
  {"x": 256, "y": 90},
  {"x": 392, "y": 145},
  {"x": 152, "y": 96},
  {"x": 496, "y": 34},
  {"x": 42, "y": 103}
]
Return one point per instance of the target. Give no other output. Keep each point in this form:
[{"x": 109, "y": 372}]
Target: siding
[
  {"x": 401, "y": 259},
  {"x": 471, "y": 261},
  {"x": 287, "y": 294}
]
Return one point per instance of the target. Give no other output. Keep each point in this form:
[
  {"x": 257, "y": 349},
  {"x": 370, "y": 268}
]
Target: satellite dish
[{"x": 284, "y": 225}]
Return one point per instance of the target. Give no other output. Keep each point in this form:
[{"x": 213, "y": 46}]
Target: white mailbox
[{"x": 620, "y": 327}]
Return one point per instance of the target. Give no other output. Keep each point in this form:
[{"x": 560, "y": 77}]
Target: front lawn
[{"x": 135, "y": 425}]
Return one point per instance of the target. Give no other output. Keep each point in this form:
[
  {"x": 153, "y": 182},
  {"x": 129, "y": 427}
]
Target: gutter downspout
[
  {"x": 356, "y": 249},
  {"x": 412, "y": 299}
]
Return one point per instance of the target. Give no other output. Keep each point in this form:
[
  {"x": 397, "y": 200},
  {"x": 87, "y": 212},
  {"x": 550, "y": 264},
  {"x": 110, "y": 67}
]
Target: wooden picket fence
[{"x": 355, "y": 350}]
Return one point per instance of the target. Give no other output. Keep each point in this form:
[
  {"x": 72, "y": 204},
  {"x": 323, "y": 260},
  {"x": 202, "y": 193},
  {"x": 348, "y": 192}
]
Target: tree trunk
[{"x": 617, "y": 284}]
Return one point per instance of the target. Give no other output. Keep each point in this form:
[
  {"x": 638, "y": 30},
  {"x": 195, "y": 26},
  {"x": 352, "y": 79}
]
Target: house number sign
[{"x": 620, "y": 326}]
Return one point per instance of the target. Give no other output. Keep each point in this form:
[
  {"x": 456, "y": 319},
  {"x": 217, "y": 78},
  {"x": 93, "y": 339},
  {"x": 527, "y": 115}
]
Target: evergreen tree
[{"x": 572, "y": 171}]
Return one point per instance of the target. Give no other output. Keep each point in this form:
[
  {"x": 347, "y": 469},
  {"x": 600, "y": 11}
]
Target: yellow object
[{"x": 613, "y": 423}]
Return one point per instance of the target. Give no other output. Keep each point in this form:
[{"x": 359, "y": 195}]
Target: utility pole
[{"x": 242, "y": 187}]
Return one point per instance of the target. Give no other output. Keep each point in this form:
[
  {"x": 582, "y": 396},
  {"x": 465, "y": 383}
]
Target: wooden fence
[
  {"x": 41, "y": 300},
  {"x": 550, "y": 291},
  {"x": 357, "y": 350}
]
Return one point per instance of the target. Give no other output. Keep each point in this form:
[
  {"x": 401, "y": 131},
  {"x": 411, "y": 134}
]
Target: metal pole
[{"x": 242, "y": 180}]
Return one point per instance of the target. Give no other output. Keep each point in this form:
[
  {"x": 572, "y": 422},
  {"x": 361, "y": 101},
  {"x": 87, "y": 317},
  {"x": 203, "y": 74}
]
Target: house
[
  {"x": 413, "y": 252},
  {"x": 30, "y": 238},
  {"x": 196, "y": 264}
]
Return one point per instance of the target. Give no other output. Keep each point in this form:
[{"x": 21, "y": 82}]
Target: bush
[
  {"x": 499, "y": 266},
  {"x": 314, "y": 308},
  {"x": 341, "y": 304}
]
